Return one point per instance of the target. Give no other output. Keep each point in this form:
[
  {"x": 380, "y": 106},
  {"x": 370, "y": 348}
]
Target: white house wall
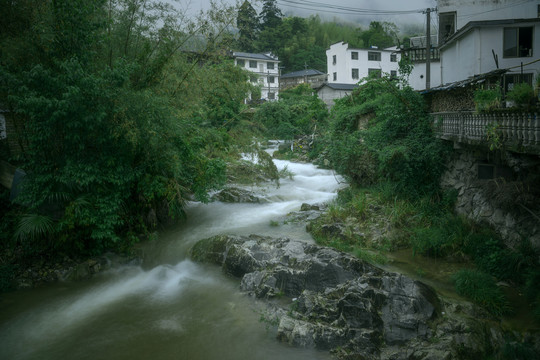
[
  {"x": 480, "y": 10},
  {"x": 262, "y": 74},
  {"x": 417, "y": 79},
  {"x": 344, "y": 63},
  {"x": 472, "y": 54}
]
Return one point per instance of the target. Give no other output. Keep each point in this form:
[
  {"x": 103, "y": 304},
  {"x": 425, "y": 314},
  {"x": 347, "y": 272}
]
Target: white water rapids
[{"x": 172, "y": 308}]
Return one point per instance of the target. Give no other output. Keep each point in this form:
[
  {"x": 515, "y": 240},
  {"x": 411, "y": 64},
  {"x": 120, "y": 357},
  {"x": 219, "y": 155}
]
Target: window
[
  {"x": 334, "y": 59},
  {"x": 393, "y": 74},
  {"x": 374, "y": 56},
  {"x": 271, "y": 96},
  {"x": 517, "y": 42},
  {"x": 241, "y": 62},
  {"x": 447, "y": 25},
  {"x": 335, "y": 76},
  {"x": 374, "y": 72},
  {"x": 253, "y": 64},
  {"x": 253, "y": 78},
  {"x": 393, "y": 58},
  {"x": 355, "y": 74},
  {"x": 270, "y": 79},
  {"x": 270, "y": 66},
  {"x": 354, "y": 55}
]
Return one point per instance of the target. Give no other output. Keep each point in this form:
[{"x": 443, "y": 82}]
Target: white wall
[
  {"x": 472, "y": 54},
  {"x": 417, "y": 79},
  {"x": 263, "y": 72},
  {"x": 345, "y": 63},
  {"x": 329, "y": 95},
  {"x": 477, "y": 10}
]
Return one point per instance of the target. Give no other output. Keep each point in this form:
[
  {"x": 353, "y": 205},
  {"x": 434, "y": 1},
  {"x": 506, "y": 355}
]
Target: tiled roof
[
  {"x": 337, "y": 86},
  {"x": 254, "y": 56},
  {"x": 308, "y": 72}
]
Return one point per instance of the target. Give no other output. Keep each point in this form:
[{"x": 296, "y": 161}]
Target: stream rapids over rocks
[{"x": 242, "y": 279}]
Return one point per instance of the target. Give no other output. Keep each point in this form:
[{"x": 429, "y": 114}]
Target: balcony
[{"x": 519, "y": 132}]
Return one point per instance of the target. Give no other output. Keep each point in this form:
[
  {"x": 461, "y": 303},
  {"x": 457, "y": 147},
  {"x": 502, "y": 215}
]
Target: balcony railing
[{"x": 515, "y": 131}]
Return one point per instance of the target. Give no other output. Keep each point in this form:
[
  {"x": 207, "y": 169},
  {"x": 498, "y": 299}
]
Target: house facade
[
  {"x": 329, "y": 92},
  {"x": 417, "y": 53},
  {"x": 312, "y": 77},
  {"x": 265, "y": 70},
  {"x": 478, "y": 37},
  {"x": 347, "y": 65}
]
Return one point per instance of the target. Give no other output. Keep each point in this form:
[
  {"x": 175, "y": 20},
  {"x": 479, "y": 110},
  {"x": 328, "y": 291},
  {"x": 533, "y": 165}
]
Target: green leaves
[{"x": 383, "y": 133}]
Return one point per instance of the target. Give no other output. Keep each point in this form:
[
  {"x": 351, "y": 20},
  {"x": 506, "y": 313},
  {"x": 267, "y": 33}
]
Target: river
[{"x": 170, "y": 307}]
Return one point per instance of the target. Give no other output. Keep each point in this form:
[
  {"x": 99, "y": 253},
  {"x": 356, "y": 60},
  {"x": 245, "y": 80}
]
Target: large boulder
[
  {"x": 339, "y": 301},
  {"x": 236, "y": 195}
]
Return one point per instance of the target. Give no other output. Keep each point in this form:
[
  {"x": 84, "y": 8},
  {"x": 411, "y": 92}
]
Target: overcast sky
[{"x": 306, "y": 8}]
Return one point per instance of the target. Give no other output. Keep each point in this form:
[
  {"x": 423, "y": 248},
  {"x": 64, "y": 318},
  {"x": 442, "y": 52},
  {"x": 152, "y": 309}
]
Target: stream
[{"x": 170, "y": 307}]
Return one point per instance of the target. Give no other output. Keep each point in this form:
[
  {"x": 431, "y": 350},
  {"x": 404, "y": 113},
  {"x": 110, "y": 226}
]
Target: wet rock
[
  {"x": 236, "y": 195},
  {"x": 308, "y": 207},
  {"x": 342, "y": 302}
]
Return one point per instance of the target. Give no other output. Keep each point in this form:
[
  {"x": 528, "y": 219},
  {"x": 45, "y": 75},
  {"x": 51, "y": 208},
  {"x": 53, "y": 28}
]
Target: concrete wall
[
  {"x": 476, "y": 10},
  {"x": 329, "y": 95},
  {"x": 417, "y": 79},
  {"x": 472, "y": 54}
]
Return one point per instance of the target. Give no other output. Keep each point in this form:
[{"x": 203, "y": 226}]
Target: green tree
[
  {"x": 247, "y": 24},
  {"x": 379, "y": 34},
  {"x": 270, "y": 16}
]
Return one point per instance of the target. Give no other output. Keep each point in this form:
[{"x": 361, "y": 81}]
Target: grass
[{"x": 481, "y": 289}]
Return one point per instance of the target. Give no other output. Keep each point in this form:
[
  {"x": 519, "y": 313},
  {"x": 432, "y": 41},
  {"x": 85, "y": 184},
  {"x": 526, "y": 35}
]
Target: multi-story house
[
  {"x": 265, "y": 69},
  {"x": 348, "y": 65},
  {"x": 477, "y": 37}
]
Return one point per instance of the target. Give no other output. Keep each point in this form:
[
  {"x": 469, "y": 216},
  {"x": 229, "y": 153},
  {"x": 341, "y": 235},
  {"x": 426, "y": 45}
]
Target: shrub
[
  {"x": 482, "y": 290},
  {"x": 522, "y": 95},
  {"x": 487, "y": 99}
]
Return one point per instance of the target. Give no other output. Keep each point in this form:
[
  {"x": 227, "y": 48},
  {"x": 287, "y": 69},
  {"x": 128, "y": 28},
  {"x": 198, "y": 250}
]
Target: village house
[
  {"x": 348, "y": 65},
  {"x": 312, "y": 77},
  {"x": 265, "y": 70},
  {"x": 479, "y": 37}
]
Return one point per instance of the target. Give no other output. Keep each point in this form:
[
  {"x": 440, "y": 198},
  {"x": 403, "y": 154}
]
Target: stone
[
  {"x": 236, "y": 195},
  {"x": 342, "y": 301},
  {"x": 308, "y": 207}
]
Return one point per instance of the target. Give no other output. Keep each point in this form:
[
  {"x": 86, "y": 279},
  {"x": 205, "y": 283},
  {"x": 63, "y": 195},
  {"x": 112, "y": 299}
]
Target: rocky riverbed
[{"x": 326, "y": 299}]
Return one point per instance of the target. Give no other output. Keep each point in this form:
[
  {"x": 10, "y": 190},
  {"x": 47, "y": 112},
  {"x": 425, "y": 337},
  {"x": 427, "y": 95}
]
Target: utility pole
[{"x": 428, "y": 48}]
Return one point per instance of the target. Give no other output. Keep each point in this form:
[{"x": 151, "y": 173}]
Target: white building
[
  {"x": 348, "y": 65},
  {"x": 330, "y": 92},
  {"x": 480, "y": 36},
  {"x": 417, "y": 54},
  {"x": 265, "y": 69}
]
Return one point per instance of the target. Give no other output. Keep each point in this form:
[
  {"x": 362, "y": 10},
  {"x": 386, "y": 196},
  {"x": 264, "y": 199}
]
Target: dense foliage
[
  {"x": 120, "y": 126},
  {"x": 382, "y": 132},
  {"x": 298, "y": 112}
]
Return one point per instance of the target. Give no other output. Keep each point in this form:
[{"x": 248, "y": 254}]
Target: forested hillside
[{"x": 301, "y": 42}]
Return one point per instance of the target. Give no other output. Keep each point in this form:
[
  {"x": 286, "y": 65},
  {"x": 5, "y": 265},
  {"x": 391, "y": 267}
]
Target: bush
[
  {"x": 482, "y": 290},
  {"x": 522, "y": 95},
  {"x": 487, "y": 99},
  {"x": 383, "y": 133}
]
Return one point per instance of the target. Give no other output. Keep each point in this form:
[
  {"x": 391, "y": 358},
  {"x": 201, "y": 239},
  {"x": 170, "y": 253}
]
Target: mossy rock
[{"x": 211, "y": 250}]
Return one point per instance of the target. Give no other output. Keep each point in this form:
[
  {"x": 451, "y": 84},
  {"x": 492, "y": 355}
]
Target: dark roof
[
  {"x": 336, "y": 86},
  {"x": 476, "y": 79},
  {"x": 485, "y": 23},
  {"x": 308, "y": 72},
  {"x": 254, "y": 56}
]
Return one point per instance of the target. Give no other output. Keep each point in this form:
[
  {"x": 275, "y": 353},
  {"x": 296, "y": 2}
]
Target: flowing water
[{"x": 171, "y": 307}]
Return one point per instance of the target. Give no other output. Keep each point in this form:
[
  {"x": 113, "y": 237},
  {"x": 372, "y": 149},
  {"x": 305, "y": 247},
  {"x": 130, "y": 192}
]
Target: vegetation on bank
[{"x": 380, "y": 138}]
